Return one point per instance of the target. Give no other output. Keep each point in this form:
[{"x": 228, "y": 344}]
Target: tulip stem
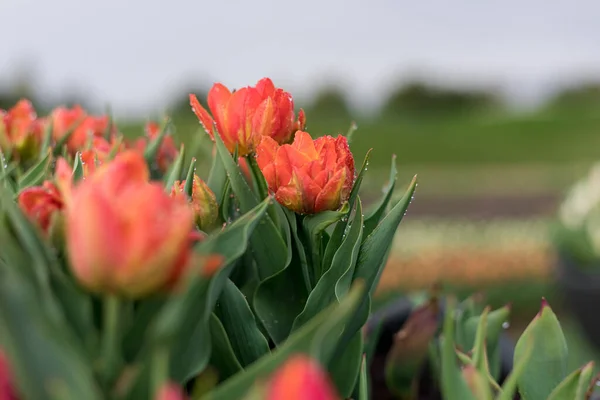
[
  {"x": 160, "y": 369},
  {"x": 110, "y": 340}
]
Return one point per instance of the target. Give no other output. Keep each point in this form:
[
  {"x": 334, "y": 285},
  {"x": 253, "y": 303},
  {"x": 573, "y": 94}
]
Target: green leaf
[
  {"x": 495, "y": 326},
  {"x": 314, "y": 225},
  {"x": 43, "y": 359},
  {"x": 47, "y": 141},
  {"x": 182, "y": 321},
  {"x": 547, "y": 366},
  {"x": 175, "y": 170},
  {"x": 343, "y": 263},
  {"x": 567, "y": 389},
  {"x": 585, "y": 381},
  {"x": 378, "y": 212},
  {"x": 479, "y": 350},
  {"x": 217, "y": 178},
  {"x": 76, "y": 307},
  {"x": 338, "y": 233},
  {"x": 262, "y": 188},
  {"x": 234, "y": 312},
  {"x": 154, "y": 145},
  {"x": 189, "y": 179},
  {"x": 77, "y": 168},
  {"x": 375, "y": 247},
  {"x": 5, "y": 175},
  {"x": 351, "y": 130},
  {"x": 268, "y": 247},
  {"x": 477, "y": 382},
  {"x": 144, "y": 315},
  {"x": 279, "y": 299},
  {"x": 509, "y": 388},
  {"x": 371, "y": 342},
  {"x": 222, "y": 356},
  {"x": 309, "y": 339},
  {"x": 453, "y": 385},
  {"x": 345, "y": 369},
  {"x": 36, "y": 174},
  {"x": 231, "y": 243},
  {"x": 363, "y": 381},
  {"x": 41, "y": 260}
]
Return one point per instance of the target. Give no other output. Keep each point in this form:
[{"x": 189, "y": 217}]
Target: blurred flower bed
[{"x": 468, "y": 253}]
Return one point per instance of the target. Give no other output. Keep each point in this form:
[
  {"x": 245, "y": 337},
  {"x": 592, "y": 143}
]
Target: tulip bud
[
  {"x": 41, "y": 203},
  {"x": 410, "y": 348},
  {"x": 244, "y": 116},
  {"x": 477, "y": 383},
  {"x": 125, "y": 235},
  {"x": 7, "y": 389},
  {"x": 301, "y": 378},
  {"x": 308, "y": 176},
  {"x": 170, "y": 391},
  {"x": 203, "y": 202},
  {"x": 21, "y": 131}
]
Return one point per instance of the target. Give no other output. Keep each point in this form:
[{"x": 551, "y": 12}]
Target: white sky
[{"x": 133, "y": 53}]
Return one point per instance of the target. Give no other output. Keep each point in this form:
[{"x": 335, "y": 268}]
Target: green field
[{"x": 535, "y": 152}]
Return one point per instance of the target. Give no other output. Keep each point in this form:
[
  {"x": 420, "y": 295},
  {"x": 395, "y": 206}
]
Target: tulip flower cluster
[
  {"x": 128, "y": 272},
  {"x": 126, "y": 275}
]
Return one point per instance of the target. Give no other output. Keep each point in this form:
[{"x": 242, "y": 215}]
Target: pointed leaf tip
[{"x": 543, "y": 305}]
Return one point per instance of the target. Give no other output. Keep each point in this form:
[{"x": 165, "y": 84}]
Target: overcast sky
[{"x": 133, "y": 53}]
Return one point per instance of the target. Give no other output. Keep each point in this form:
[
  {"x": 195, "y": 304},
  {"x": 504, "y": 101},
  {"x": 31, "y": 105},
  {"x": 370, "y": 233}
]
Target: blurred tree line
[{"x": 417, "y": 99}]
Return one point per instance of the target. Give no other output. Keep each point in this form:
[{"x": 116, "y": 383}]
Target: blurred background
[{"x": 495, "y": 105}]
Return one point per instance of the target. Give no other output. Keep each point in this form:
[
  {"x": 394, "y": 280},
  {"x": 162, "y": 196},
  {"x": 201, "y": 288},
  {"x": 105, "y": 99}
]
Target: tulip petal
[
  {"x": 330, "y": 197},
  {"x": 94, "y": 238},
  {"x": 263, "y": 119},
  {"x": 265, "y": 87},
  {"x": 203, "y": 116},
  {"x": 218, "y": 99}
]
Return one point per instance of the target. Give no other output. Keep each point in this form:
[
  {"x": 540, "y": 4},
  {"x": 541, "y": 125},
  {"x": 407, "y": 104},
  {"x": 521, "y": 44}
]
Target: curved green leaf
[
  {"x": 235, "y": 314},
  {"x": 313, "y": 226},
  {"x": 453, "y": 385},
  {"x": 567, "y": 389},
  {"x": 279, "y": 299},
  {"x": 345, "y": 370},
  {"x": 547, "y": 366},
  {"x": 375, "y": 247},
  {"x": 338, "y": 233},
  {"x": 36, "y": 174},
  {"x": 183, "y": 320},
  {"x": 175, "y": 170},
  {"x": 373, "y": 218},
  {"x": 43, "y": 359},
  {"x": 307, "y": 339},
  {"x": 343, "y": 264},
  {"x": 268, "y": 247},
  {"x": 222, "y": 356}
]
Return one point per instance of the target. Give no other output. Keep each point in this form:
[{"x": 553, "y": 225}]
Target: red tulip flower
[{"x": 308, "y": 176}]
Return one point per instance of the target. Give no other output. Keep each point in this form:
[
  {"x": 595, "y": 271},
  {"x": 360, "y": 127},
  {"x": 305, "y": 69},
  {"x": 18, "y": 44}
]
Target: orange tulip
[
  {"x": 308, "y": 176},
  {"x": 21, "y": 130},
  {"x": 244, "y": 116},
  {"x": 86, "y": 126},
  {"x": 98, "y": 153},
  {"x": 203, "y": 202},
  {"x": 41, "y": 203},
  {"x": 301, "y": 378},
  {"x": 7, "y": 389},
  {"x": 167, "y": 152},
  {"x": 125, "y": 235}
]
